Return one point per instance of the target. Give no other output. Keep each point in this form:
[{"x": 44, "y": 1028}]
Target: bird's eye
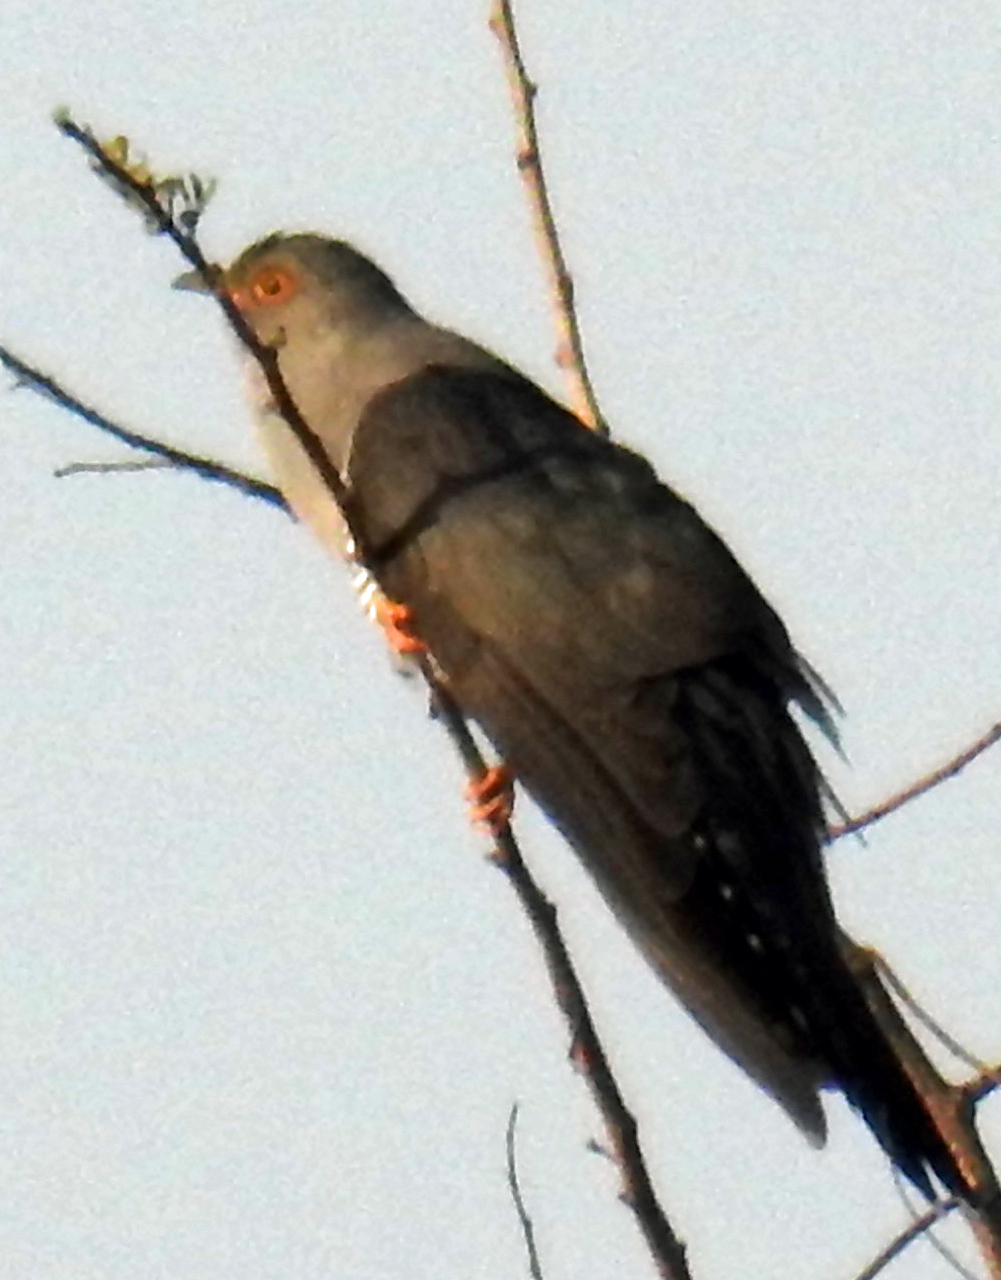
[{"x": 271, "y": 284}]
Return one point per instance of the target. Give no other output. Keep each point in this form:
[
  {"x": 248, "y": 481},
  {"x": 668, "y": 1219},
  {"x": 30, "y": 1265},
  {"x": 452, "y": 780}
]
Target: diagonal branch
[
  {"x": 34, "y": 379},
  {"x": 142, "y": 193},
  {"x": 951, "y": 1107},
  {"x": 638, "y": 1192},
  {"x": 570, "y": 351},
  {"x": 984, "y": 1085},
  {"x": 924, "y": 784},
  {"x": 910, "y": 1233}
]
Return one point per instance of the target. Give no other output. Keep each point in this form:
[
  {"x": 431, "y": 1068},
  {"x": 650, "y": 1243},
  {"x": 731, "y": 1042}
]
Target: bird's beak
[{"x": 195, "y": 281}]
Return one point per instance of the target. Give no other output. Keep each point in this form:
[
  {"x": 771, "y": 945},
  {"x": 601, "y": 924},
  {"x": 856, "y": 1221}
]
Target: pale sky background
[{"x": 263, "y": 1005}]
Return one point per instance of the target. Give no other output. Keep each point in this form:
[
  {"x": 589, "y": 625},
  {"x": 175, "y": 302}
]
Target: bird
[{"x": 628, "y": 671}]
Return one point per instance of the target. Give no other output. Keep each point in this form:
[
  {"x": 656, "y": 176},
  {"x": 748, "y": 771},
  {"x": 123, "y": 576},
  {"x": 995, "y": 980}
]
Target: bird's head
[{"x": 302, "y": 286}]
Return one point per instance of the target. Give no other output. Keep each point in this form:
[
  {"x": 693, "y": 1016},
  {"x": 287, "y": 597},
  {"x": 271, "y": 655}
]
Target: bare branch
[
  {"x": 933, "y": 1240},
  {"x": 638, "y": 1193},
  {"x": 910, "y": 1233},
  {"x": 935, "y": 1028},
  {"x": 890, "y": 805},
  {"x": 143, "y": 193},
  {"x": 949, "y": 1106},
  {"x": 527, "y": 1229},
  {"x": 950, "y": 1258},
  {"x": 33, "y": 379},
  {"x": 570, "y": 351},
  {"x": 112, "y": 468}
]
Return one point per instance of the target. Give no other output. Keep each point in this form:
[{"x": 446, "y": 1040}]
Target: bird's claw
[
  {"x": 491, "y": 798},
  {"x": 396, "y": 620}
]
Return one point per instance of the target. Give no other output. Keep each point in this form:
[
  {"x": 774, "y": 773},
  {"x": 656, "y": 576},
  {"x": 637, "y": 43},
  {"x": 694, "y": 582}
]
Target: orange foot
[
  {"x": 396, "y": 621},
  {"x": 492, "y": 798}
]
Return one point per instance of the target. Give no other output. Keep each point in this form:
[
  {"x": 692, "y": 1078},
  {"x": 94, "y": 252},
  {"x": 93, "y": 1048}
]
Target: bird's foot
[
  {"x": 491, "y": 798},
  {"x": 396, "y": 621}
]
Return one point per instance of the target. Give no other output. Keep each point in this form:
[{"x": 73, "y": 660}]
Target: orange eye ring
[{"x": 270, "y": 284}]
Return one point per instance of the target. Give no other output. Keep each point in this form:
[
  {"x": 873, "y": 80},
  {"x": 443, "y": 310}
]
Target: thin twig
[
  {"x": 918, "y": 788},
  {"x": 909, "y": 1234},
  {"x": 935, "y": 1028},
  {"x": 33, "y": 379},
  {"x": 112, "y": 468},
  {"x": 570, "y": 352},
  {"x": 950, "y": 1258},
  {"x": 638, "y": 1193},
  {"x": 931, "y": 1237},
  {"x": 524, "y": 1220}
]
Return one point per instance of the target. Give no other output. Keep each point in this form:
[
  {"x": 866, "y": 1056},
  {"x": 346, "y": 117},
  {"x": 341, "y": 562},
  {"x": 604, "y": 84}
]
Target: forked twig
[
  {"x": 33, "y": 379},
  {"x": 950, "y": 1106},
  {"x": 913, "y": 1231}
]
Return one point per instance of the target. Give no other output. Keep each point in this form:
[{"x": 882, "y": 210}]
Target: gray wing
[
  {"x": 631, "y": 675},
  {"x": 528, "y": 543},
  {"x": 638, "y": 684}
]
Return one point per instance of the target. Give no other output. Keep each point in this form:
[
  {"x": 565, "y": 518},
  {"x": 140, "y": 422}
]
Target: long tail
[
  {"x": 870, "y": 1074},
  {"x": 764, "y": 837}
]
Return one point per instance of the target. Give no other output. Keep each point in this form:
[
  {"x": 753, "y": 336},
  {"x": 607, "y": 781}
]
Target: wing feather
[{"x": 631, "y": 674}]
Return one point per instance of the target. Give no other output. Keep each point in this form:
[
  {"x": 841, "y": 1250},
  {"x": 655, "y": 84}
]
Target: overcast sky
[{"x": 264, "y": 1006}]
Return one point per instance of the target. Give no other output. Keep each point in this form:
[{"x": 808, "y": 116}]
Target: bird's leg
[
  {"x": 396, "y": 621},
  {"x": 491, "y": 797}
]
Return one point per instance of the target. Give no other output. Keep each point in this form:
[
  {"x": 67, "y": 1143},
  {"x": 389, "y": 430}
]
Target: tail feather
[
  {"x": 869, "y": 1072},
  {"x": 764, "y": 835}
]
